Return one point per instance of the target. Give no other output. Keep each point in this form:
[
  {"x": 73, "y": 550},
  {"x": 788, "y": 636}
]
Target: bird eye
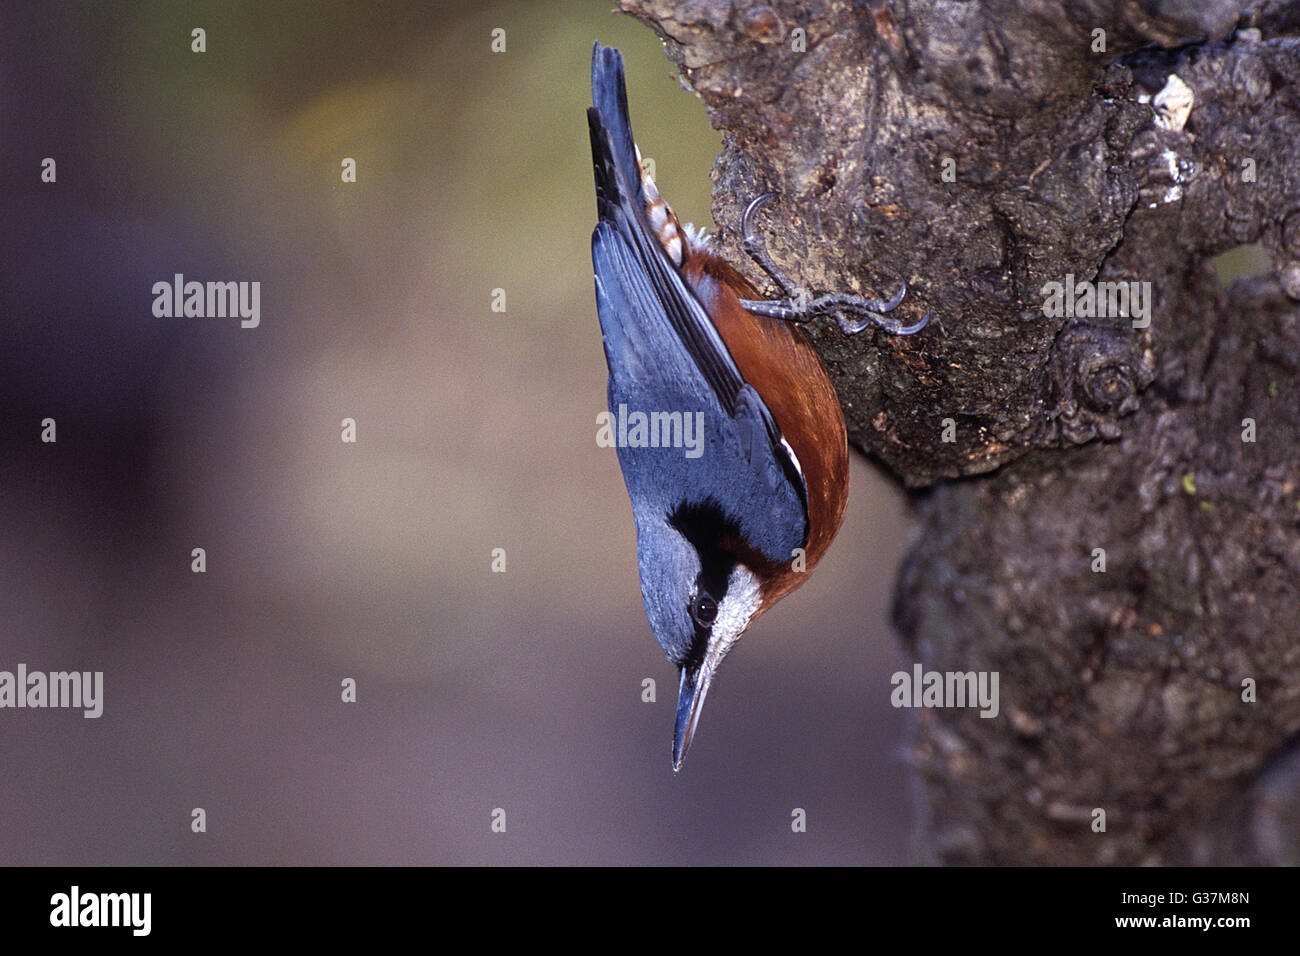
[{"x": 706, "y": 610}]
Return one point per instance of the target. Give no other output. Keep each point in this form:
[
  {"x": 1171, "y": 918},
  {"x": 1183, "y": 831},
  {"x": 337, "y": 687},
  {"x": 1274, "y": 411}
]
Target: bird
[{"x": 724, "y": 534}]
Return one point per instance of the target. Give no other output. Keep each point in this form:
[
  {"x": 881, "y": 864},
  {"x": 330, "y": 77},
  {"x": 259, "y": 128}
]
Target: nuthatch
[{"x": 723, "y": 536}]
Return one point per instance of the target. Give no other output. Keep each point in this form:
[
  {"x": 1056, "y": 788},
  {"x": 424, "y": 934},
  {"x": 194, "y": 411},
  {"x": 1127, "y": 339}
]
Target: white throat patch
[{"x": 735, "y": 611}]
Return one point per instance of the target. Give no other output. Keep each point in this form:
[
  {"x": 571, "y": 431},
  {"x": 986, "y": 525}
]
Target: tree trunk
[{"x": 984, "y": 152}]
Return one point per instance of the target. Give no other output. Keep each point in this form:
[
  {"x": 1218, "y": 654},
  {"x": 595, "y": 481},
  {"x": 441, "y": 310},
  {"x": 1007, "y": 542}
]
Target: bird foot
[{"x": 853, "y": 313}]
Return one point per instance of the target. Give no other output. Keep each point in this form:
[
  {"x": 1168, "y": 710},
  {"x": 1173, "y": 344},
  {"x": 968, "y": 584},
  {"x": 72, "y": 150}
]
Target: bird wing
[{"x": 665, "y": 354}]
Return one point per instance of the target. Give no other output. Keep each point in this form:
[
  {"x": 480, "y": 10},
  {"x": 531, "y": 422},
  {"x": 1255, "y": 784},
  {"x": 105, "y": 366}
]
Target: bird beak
[{"x": 692, "y": 690}]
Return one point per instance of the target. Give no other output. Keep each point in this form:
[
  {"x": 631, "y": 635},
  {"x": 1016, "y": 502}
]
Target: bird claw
[
  {"x": 892, "y": 326},
  {"x": 799, "y": 306},
  {"x": 756, "y": 248},
  {"x": 877, "y": 306}
]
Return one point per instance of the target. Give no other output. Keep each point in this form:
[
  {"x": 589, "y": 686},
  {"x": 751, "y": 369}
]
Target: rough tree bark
[{"x": 1120, "y": 690}]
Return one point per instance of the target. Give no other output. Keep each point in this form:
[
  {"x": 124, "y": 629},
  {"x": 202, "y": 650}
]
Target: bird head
[{"x": 700, "y": 595}]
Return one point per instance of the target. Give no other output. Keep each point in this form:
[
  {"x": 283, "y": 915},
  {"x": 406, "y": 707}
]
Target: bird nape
[{"x": 732, "y": 520}]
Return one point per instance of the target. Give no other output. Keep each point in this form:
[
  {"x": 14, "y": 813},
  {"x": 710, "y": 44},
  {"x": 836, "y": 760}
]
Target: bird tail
[
  {"x": 622, "y": 183},
  {"x": 613, "y": 150}
]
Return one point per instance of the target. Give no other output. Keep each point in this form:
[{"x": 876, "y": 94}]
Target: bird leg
[{"x": 799, "y": 305}]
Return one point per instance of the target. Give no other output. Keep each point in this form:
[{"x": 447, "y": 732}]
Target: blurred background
[{"x": 475, "y": 430}]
